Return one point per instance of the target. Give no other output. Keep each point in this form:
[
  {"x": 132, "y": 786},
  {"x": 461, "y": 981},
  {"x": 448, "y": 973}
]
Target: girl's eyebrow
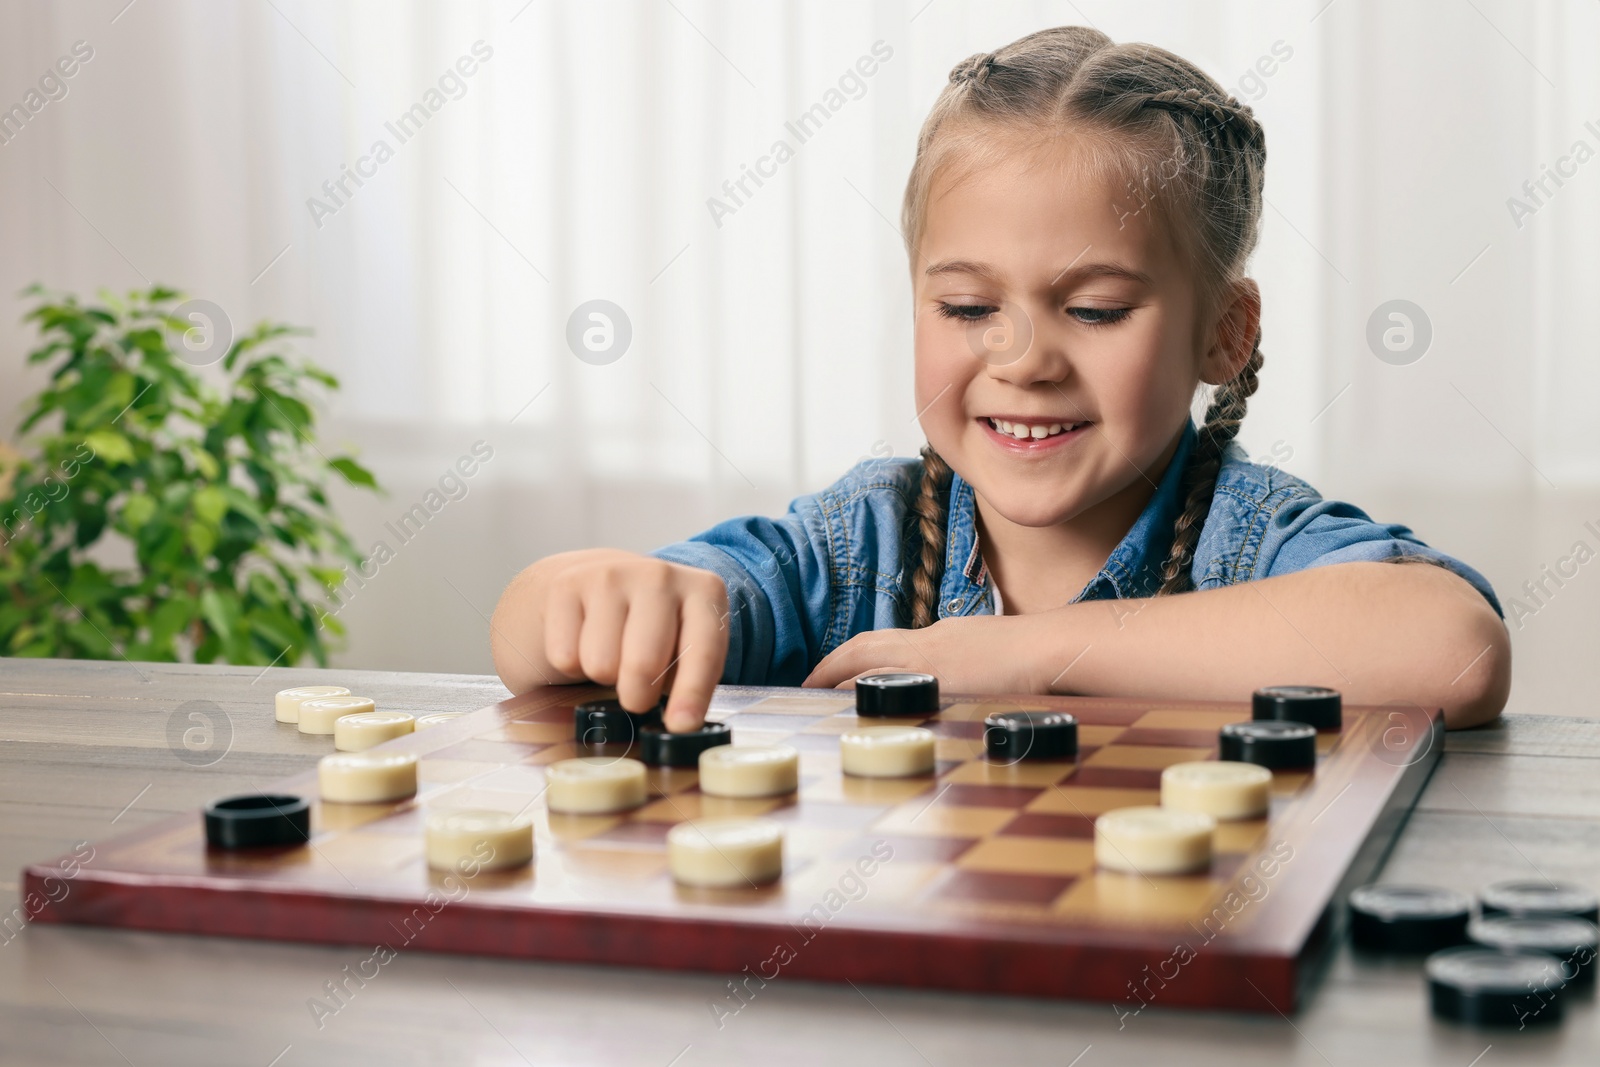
[{"x": 1073, "y": 272}]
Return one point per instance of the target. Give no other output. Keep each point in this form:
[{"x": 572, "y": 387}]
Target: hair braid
[
  {"x": 1220, "y": 118},
  {"x": 930, "y": 508},
  {"x": 1226, "y": 411}
]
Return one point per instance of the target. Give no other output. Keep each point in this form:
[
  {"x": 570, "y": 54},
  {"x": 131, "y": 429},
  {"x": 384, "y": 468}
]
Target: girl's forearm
[{"x": 1377, "y": 632}]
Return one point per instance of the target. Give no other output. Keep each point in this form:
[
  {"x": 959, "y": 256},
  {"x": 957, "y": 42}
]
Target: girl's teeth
[{"x": 1023, "y": 432}]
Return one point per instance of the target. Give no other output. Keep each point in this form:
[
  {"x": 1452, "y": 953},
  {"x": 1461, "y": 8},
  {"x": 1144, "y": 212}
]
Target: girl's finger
[
  {"x": 600, "y": 642},
  {"x": 702, "y": 652},
  {"x": 842, "y": 664},
  {"x": 648, "y": 641},
  {"x": 563, "y": 622}
]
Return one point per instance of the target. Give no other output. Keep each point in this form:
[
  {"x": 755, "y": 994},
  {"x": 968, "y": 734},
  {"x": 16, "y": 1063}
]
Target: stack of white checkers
[
  {"x": 1176, "y": 838},
  {"x": 354, "y": 721}
]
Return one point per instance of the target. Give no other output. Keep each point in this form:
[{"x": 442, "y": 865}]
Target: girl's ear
[{"x": 1234, "y": 336}]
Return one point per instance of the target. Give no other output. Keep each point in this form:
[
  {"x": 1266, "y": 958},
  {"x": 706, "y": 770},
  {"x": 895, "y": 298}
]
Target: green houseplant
[{"x": 157, "y": 515}]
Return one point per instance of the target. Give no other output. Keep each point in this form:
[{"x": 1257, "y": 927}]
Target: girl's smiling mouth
[{"x": 1031, "y": 433}]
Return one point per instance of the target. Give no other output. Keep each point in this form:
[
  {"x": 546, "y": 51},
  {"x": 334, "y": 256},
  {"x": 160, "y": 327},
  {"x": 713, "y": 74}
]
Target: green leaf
[
  {"x": 171, "y": 618},
  {"x": 220, "y": 610},
  {"x": 109, "y": 445},
  {"x": 210, "y": 504},
  {"x": 209, "y": 468},
  {"x": 137, "y": 510},
  {"x": 353, "y": 472},
  {"x": 201, "y": 539}
]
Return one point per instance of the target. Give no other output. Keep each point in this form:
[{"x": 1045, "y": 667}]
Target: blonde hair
[{"x": 1181, "y": 146}]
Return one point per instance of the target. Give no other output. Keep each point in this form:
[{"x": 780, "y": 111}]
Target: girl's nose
[{"x": 1020, "y": 347}]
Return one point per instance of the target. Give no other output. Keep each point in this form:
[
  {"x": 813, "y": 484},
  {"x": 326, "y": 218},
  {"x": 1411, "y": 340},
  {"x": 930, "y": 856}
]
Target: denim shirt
[{"x": 837, "y": 564}]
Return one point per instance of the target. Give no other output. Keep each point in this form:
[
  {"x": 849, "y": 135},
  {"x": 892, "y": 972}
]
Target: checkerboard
[{"x": 977, "y": 877}]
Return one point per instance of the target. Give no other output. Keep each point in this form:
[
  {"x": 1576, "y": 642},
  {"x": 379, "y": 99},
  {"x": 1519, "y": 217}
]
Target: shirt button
[{"x": 954, "y": 605}]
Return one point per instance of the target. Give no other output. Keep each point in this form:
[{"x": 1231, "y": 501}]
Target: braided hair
[{"x": 1185, "y": 149}]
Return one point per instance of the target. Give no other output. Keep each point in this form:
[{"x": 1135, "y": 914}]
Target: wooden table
[{"x": 92, "y": 749}]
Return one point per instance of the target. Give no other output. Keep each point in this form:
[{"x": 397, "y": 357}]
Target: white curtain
[{"x": 770, "y": 340}]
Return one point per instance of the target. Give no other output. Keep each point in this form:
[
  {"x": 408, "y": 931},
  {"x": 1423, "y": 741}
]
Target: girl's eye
[
  {"x": 967, "y": 312},
  {"x": 1099, "y": 316}
]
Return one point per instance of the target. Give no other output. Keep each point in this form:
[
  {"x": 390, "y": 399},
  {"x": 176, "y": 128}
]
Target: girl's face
[{"x": 1057, "y": 341}]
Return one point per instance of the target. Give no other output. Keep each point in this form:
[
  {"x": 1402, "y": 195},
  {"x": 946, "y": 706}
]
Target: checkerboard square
[
  {"x": 836, "y": 788},
  {"x": 1134, "y": 900},
  {"x": 992, "y": 887},
  {"x": 488, "y": 751},
  {"x": 943, "y": 820},
  {"x": 1241, "y": 836},
  {"x": 1097, "y": 736},
  {"x": 539, "y": 733},
  {"x": 696, "y": 805},
  {"x": 972, "y": 731},
  {"x": 670, "y": 781},
  {"x": 821, "y": 742},
  {"x": 830, "y": 816},
  {"x": 612, "y": 864},
  {"x": 1119, "y": 777},
  {"x": 329, "y": 818},
  {"x": 988, "y": 796},
  {"x": 910, "y": 849},
  {"x": 956, "y": 750},
  {"x": 1196, "y": 739},
  {"x": 1208, "y": 719},
  {"x": 745, "y": 720},
  {"x": 1029, "y": 855},
  {"x": 360, "y": 851},
  {"x": 1075, "y": 799},
  {"x": 1288, "y": 783},
  {"x": 635, "y": 833},
  {"x": 820, "y": 706},
  {"x": 1091, "y": 714},
  {"x": 572, "y": 829},
  {"x": 1150, "y": 756},
  {"x": 445, "y": 771},
  {"x": 558, "y": 714},
  {"x": 518, "y": 778},
  {"x": 1037, "y": 824},
  {"x": 571, "y": 750},
  {"x": 1037, "y": 773}
]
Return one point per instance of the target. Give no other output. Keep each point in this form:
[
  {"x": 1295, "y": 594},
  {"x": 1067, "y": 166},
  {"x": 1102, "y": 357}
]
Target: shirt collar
[{"x": 1132, "y": 570}]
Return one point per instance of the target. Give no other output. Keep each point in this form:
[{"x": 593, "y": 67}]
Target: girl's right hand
[{"x": 615, "y": 618}]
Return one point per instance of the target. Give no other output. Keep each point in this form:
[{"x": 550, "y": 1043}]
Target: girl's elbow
[{"x": 1477, "y": 693}]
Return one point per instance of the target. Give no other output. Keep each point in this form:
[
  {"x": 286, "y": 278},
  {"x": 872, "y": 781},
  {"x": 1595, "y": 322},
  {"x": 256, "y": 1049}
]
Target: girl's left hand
[{"x": 975, "y": 654}]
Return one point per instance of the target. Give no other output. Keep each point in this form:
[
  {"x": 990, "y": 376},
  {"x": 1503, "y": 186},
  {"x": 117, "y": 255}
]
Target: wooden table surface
[{"x": 92, "y": 749}]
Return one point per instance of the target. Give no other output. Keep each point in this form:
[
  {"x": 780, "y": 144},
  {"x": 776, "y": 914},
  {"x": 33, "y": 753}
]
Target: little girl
[{"x": 1078, "y": 220}]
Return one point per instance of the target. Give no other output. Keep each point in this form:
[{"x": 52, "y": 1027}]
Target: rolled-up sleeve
[
  {"x": 776, "y": 572},
  {"x": 1308, "y": 531}
]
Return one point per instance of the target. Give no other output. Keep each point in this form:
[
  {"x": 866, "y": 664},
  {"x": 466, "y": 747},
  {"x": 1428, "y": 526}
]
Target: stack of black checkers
[
  {"x": 607, "y": 722},
  {"x": 1540, "y": 898},
  {"x": 1313, "y": 705},
  {"x": 605, "y": 727},
  {"x": 897, "y": 695},
  {"x": 1009, "y": 736},
  {"x": 1509, "y": 966}
]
